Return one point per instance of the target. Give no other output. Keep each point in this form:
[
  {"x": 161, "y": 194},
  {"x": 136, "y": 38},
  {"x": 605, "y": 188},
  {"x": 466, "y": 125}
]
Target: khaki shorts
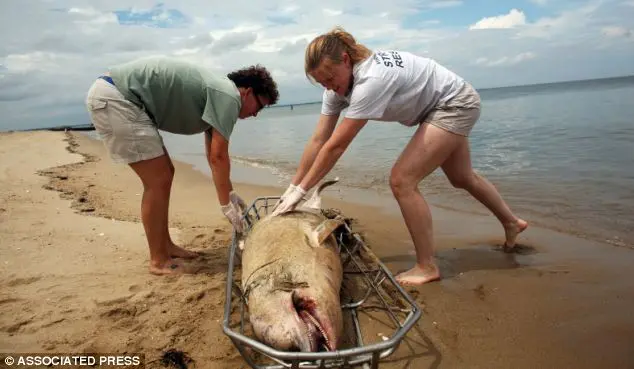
[
  {"x": 127, "y": 131},
  {"x": 459, "y": 114}
]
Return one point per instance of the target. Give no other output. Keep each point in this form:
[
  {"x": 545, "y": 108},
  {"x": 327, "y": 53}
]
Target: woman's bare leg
[
  {"x": 156, "y": 176},
  {"x": 173, "y": 249},
  {"x": 461, "y": 175},
  {"x": 427, "y": 150}
]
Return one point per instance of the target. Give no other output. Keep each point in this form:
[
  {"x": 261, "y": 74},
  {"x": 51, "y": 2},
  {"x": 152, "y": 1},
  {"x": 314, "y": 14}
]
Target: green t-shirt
[{"x": 180, "y": 97}]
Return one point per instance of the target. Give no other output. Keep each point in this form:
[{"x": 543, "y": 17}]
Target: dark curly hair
[{"x": 259, "y": 79}]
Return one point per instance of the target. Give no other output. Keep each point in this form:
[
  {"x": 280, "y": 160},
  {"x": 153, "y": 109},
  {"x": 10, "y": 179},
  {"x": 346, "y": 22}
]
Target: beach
[{"x": 74, "y": 276}]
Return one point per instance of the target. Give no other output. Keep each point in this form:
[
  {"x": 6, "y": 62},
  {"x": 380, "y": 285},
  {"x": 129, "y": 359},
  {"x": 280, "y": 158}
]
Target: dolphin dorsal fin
[{"x": 314, "y": 202}]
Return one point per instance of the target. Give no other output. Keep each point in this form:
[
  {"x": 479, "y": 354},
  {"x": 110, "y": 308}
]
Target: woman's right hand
[{"x": 288, "y": 191}]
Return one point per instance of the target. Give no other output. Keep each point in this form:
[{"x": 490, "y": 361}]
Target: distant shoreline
[
  {"x": 483, "y": 89},
  {"x": 529, "y": 88}
]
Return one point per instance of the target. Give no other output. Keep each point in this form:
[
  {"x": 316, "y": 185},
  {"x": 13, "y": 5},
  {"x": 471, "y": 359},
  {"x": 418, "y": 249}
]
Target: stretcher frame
[{"x": 374, "y": 276}]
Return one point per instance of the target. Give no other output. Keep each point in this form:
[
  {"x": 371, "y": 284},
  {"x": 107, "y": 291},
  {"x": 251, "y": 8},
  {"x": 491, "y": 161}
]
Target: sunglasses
[{"x": 257, "y": 99}]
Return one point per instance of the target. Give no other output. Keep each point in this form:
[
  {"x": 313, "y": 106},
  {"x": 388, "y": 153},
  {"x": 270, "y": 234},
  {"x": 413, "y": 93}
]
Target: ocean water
[{"x": 561, "y": 154}]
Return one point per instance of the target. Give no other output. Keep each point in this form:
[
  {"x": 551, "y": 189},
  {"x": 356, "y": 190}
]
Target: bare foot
[
  {"x": 171, "y": 266},
  {"x": 512, "y": 231},
  {"x": 179, "y": 252},
  {"x": 417, "y": 275}
]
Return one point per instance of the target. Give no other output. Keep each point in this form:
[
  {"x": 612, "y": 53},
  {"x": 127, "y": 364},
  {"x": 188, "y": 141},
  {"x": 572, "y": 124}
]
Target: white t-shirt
[{"x": 394, "y": 86}]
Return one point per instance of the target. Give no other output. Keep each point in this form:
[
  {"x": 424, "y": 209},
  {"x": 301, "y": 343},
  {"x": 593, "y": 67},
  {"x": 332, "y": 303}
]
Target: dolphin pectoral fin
[{"x": 325, "y": 229}]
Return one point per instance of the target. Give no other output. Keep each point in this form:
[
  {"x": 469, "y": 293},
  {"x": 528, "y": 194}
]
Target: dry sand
[{"x": 73, "y": 273}]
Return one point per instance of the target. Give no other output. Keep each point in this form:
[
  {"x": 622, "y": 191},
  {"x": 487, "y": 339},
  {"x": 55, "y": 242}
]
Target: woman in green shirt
[{"x": 130, "y": 104}]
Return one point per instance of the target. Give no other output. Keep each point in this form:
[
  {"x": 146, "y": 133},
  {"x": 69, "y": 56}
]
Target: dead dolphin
[{"x": 291, "y": 278}]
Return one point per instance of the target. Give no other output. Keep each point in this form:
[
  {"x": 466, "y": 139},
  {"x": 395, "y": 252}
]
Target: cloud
[
  {"x": 15, "y": 87},
  {"x": 294, "y": 47},
  {"x": 505, "y": 60},
  {"x": 34, "y": 61},
  {"x": 574, "y": 23},
  {"x": 62, "y": 46},
  {"x": 332, "y": 12},
  {"x": 513, "y": 19},
  {"x": 235, "y": 41},
  {"x": 281, "y": 19},
  {"x": 197, "y": 41},
  {"x": 87, "y": 18},
  {"x": 616, "y": 31},
  {"x": 445, "y": 4}
]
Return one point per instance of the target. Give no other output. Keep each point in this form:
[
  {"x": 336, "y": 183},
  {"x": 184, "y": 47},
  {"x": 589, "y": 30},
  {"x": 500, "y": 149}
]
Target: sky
[{"x": 51, "y": 51}]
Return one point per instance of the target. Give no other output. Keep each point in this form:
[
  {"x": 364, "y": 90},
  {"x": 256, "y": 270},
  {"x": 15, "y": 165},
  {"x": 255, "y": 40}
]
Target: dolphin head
[{"x": 295, "y": 320}]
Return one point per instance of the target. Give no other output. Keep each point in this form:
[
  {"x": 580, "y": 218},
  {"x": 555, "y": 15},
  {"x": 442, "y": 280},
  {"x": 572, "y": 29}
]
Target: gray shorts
[
  {"x": 459, "y": 114},
  {"x": 127, "y": 131}
]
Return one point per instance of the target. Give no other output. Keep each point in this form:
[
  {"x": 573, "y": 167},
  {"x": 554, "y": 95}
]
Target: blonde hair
[{"x": 332, "y": 45}]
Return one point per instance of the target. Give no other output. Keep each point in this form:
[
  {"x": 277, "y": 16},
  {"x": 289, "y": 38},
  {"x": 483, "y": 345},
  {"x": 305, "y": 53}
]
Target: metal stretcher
[{"x": 369, "y": 291}]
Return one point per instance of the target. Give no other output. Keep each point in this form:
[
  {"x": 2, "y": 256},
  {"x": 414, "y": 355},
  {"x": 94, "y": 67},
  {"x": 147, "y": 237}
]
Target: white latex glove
[
  {"x": 237, "y": 200},
  {"x": 233, "y": 213},
  {"x": 290, "y": 201},
  {"x": 284, "y": 195}
]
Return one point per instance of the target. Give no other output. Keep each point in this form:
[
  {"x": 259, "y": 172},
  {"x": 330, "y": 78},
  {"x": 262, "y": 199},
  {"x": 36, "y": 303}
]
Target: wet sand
[{"x": 74, "y": 274}]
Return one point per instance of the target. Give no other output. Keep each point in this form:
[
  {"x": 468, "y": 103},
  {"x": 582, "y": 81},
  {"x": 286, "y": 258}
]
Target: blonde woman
[{"x": 396, "y": 86}]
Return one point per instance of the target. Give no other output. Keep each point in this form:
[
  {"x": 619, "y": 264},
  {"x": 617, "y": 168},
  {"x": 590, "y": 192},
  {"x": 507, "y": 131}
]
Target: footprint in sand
[
  {"x": 520, "y": 249},
  {"x": 113, "y": 301},
  {"x": 142, "y": 296},
  {"x": 22, "y": 281},
  {"x": 120, "y": 312},
  {"x": 43, "y": 323},
  {"x": 12, "y": 328},
  {"x": 196, "y": 296},
  {"x": 67, "y": 297},
  {"x": 8, "y": 300},
  {"x": 480, "y": 292},
  {"x": 49, "y": 346}
]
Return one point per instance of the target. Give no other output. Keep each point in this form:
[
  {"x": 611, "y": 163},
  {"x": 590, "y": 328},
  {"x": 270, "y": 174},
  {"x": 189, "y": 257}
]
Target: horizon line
[{"x": 494, "y": 88}]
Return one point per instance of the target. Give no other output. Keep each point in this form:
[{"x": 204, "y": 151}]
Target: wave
[{"x": 284, "y": 170}]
